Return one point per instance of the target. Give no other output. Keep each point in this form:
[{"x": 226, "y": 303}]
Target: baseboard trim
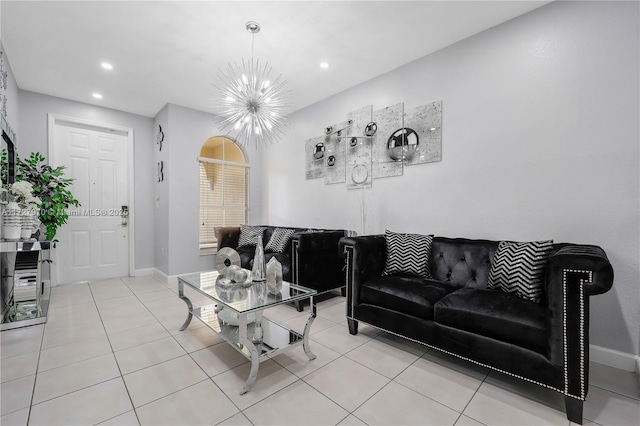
[
  {"x": 615, "y": 359},
  {"x": 143, "y": 272},
  {"x": 167, "y": 279},
  {"x": 160, "y": 275}
]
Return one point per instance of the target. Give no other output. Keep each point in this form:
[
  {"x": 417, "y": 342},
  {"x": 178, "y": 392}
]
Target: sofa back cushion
[{"x": 462, "y": 262}]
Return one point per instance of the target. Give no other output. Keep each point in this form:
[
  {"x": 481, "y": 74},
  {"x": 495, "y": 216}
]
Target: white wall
[
  {"x": 161, "y": 192},
  {"x": 33, "y": 110},
  {"x": 186, "y": 131},
  {"x": 540, "y": 140}
]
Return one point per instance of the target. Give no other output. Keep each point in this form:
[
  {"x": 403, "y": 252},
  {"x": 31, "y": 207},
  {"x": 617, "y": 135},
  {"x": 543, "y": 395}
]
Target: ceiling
[{"x": 170, "y": 51}]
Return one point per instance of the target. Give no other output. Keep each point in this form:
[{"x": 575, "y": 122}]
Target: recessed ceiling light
[
  {"x": 324, "y": 65},
  {"x": 106, "y": 66},
  {"x": 97, "y": 95}
]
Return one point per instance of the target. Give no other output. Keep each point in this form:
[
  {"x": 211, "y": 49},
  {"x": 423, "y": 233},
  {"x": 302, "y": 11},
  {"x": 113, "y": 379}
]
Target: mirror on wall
[{"x": 9, "y": 143}]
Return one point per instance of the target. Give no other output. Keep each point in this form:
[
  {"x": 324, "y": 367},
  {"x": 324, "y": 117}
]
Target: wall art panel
[
  {"x": 314, "y": 152},
  {"x": 335, "y": 155},
  {"x": 388, "y": 121},
  {"x": 426, "y": 121},
  {"x": 359, "y": 148}
]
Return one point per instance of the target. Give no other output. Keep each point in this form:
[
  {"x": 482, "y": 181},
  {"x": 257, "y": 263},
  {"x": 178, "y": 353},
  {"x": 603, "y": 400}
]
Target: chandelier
[{"x": 251, "y": 104}]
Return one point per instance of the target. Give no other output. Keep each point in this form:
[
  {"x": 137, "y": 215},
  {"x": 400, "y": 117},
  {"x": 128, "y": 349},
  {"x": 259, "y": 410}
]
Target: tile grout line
[
  {"x": 473, "y": 396},
  {"x": 35, "y": 378},
  {"x": 334, "y": 360},
  {"x": 114, "y": 355}
]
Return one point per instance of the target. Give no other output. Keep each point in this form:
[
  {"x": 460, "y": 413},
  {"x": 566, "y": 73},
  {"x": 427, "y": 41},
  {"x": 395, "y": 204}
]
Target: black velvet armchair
[{"x": 310, "y": 259}]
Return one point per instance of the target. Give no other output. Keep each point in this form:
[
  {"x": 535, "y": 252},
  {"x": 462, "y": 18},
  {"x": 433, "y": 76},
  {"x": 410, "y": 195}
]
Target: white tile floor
[{"x": 111, "y": 354}]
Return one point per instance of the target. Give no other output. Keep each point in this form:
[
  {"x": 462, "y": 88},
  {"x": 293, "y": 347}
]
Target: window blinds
[{"x": 223, "y": 199}]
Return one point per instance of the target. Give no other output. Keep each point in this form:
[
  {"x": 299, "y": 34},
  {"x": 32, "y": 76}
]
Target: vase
[
  {"x": 274, "y": 276},
  {"x": 11, "y": 221},
  {"x": 27, "y": 226},
  {"x": 259, "y": 271},
  {"x": 29, "y": 223}
]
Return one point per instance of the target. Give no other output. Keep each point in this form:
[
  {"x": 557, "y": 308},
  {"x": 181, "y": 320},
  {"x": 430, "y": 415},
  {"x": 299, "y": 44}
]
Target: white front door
[{"x": 94, "y": 244}]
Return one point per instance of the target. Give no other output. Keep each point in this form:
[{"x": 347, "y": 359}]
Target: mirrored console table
[{"x": 24, "y": 291}]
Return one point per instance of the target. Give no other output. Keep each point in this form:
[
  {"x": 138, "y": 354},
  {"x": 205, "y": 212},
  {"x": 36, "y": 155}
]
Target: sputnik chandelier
[{"x": 252, "y": 106}]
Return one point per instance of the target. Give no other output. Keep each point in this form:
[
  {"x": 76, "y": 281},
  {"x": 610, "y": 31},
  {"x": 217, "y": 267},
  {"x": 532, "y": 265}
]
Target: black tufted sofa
[
  {"x": 310, "y": 259},
  {"x": 545, "y": 343}
]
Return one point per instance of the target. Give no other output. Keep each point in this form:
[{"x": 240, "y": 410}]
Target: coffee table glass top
[{"x": 243, "y": 299}]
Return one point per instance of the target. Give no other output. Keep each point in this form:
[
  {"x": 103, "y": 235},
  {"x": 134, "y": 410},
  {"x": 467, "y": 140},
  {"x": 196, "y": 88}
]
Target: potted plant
[{"x": 50, "y": 186}]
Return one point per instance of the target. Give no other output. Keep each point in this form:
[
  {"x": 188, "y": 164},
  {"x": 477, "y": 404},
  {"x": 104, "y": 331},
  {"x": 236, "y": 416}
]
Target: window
[{"x": 223, "y": 189}]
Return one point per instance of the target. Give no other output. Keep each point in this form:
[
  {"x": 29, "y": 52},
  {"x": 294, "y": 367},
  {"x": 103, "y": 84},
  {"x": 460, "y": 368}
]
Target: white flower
[{"x": 22, "y": 189}]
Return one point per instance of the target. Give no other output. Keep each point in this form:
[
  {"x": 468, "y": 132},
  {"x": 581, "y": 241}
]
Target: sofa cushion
[
  {"x": 518, "y": 268},
  {"x": 249, "y": 235},
  {"x": 278, "y": 240},
  {"x": 404, "y": 293},
  {"x": 408, "y": 254},
  {"x": 462, "y": 262},
  {"x": 497, "y": 315}
]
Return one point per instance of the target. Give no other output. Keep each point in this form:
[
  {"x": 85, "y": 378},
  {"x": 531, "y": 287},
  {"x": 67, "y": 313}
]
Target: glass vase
[{"x": 259, "y": 271}]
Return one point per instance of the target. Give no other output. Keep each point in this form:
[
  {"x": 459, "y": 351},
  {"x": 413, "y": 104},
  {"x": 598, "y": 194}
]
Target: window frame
[{"x": 210, "y": 248}]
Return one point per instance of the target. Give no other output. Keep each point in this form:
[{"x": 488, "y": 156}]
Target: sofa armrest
[
  {"x": 591, "y": 259},
  {"x": 574, "y": 272},
  {"x": 227, "y": 236},
  {"x": 325, "y": 240},
  {"x": 315, "y": 260},
  {"x": 364, "y": 257}
]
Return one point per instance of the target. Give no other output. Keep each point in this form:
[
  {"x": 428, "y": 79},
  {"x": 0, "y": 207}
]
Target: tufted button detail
[
  {"x": 441, "y": 255},
  {"x": 462, "y": 259}
]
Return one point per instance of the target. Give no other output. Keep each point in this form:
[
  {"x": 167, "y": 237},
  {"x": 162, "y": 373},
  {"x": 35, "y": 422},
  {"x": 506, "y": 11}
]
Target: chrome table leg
[
  {"x": 255, "y": 357},
  {"x": 307, "y": 330},
  {"x": 189, "y": 305}
]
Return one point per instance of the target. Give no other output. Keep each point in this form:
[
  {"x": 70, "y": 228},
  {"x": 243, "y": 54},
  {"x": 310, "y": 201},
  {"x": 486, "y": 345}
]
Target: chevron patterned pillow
[
  {"x": 408, "y": 254},
  {"x": 279, "y": 239},
  {"x": 518, "y": 268},
  {"x": 249, "y": 235}
]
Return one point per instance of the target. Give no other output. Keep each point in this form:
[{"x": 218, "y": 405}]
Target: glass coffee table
[{"x": 236, "y": 315}]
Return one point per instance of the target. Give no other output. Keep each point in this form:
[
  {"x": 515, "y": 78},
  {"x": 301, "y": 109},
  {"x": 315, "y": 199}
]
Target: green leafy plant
[{"x": 50, "y": 186}]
